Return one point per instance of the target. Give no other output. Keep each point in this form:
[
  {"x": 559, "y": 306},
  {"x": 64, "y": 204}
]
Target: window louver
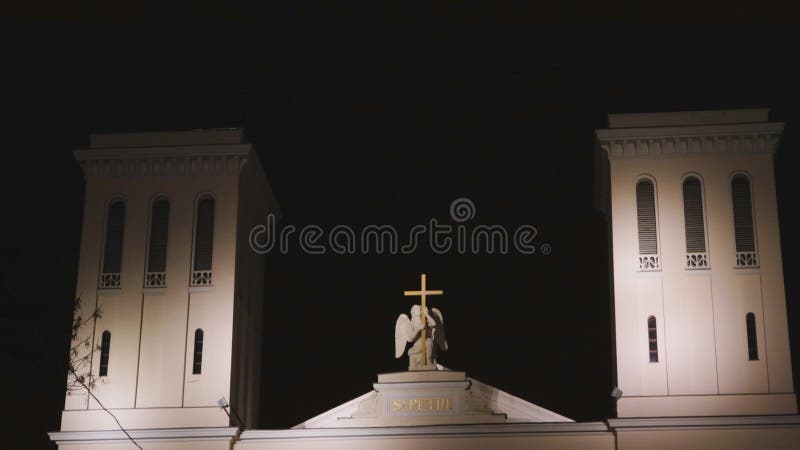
[
  {"x": 159, "y": 224},
  {"x": 652, "y": 338},
  {"x": 752, "y": 340},
  {"x": 115, "y": 227},
  {"x": 105, "y": 348},
  {"x": 693, "y": 216},
  {"x": 204, "y": 234},
  {"x": 197, "y": 362},
  {"x": 743, "y": 214},
  {"x": 646, "y": 216}
]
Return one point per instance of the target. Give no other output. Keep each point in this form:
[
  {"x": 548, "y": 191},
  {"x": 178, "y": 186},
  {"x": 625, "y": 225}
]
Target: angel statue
[{"x": 422, "y": 354}]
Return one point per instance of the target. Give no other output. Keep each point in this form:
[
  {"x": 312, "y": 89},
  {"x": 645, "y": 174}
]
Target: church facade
[{"x": 702, "y": 356}]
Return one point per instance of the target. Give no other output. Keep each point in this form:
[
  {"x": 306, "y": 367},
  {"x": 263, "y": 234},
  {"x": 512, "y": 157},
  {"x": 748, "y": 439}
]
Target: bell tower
[
  {"x": 698, "y": 296},
  {"x": 165, "y": 258}
]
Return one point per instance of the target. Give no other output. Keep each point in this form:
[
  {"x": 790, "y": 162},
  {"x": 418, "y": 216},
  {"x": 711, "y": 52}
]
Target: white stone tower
[
  {"x": 698, "y": 296},
  {"x": 165, "y": 256}
]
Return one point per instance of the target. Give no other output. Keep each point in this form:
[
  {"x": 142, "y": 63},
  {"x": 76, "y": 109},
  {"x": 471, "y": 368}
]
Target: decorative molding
[
  {"x": 155, "y": 279},
  {"x": 428, "y": 430},
  {"x": 110, "y": 281},
  {"x": 746, "y": 260},
  {"x": 649, "y": 263},
  {"x": 164, "y": 161},
  {"x": 713, "y": 421},
  {"x": 182, "y": 434},
  {"x": 660, "y": 142},
  {"x": 384, "y": 387},
  {"x": 201, "y": 278},
  {"x": 696, "y": 261}
]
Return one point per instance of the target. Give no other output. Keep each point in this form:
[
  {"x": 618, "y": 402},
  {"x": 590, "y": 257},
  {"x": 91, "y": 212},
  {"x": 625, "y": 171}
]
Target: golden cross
[{"x": 423, "y": 292}]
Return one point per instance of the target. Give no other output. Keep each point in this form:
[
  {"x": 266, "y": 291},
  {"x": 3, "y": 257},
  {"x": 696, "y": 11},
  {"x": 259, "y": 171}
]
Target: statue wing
[
  {"x": 437, "y": 316},
  {"x": 403, "y": 332},
  {"x": 439, "y": 336}
]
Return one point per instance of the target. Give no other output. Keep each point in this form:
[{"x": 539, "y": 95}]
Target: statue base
[
  {"x": 423, "y": 368},
  {"x": 421, "y": 397}
]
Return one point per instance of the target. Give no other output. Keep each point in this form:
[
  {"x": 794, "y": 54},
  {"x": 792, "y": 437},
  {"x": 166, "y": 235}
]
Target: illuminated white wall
[
  {"x": 703, "y": 366},
  {"x": 152, "y": 329}
]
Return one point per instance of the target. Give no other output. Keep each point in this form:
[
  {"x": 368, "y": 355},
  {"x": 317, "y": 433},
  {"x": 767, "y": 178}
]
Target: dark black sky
[{"x": 374, "y": 117}]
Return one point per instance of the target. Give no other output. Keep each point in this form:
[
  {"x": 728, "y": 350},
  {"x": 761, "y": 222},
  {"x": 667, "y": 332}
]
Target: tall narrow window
[
  {"x": 156, "y": 275},
  {"x": 752, "y": 340},
  {"x": 646, "y": 221},
  {"x": 743, "y": 222},
  {"x": 694, "y": 224},
  {"x": 652, "y": 339},
  {"x": 112, "y": 251},
  {"x": 105, "y": 346},
  {"x": 203, "y": 242},
  {"x": 197, "y": 364}
]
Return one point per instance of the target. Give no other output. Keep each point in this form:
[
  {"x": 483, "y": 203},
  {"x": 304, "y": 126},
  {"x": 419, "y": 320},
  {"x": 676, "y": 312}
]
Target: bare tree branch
[
  {"x": 77, "y": 362},
  {"x": 105, "y": 409}
]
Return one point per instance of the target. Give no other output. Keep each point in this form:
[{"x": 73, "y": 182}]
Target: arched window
[
  {"x": 694, "y": 224},
  {"x": 197, "y": 364},
  {"x": 752, "y": 340},
  {"x": 156, "y": 275},
  {"x": 105, "y": 346},
  {"x": 112, "y": 251},
  {"x": 203, "y": 242},
  {"x": 646, "y": 222},
  {"x": 743, "y": 222},
  {"x": 652, "y": 339}
]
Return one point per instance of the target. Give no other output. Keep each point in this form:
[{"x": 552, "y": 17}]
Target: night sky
[{"x": 373, "y": 117}]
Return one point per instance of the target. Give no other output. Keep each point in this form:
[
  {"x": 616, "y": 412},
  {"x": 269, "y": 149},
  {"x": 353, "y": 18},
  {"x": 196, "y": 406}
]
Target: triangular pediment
[
  {"x": 430, "y": 398},
  {"x": 515, "y": 408}
]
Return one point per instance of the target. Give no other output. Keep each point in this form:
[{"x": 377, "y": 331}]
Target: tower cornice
[
  {"x": 687, "y": 141},
  {"x": 226, "y": 159}
]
